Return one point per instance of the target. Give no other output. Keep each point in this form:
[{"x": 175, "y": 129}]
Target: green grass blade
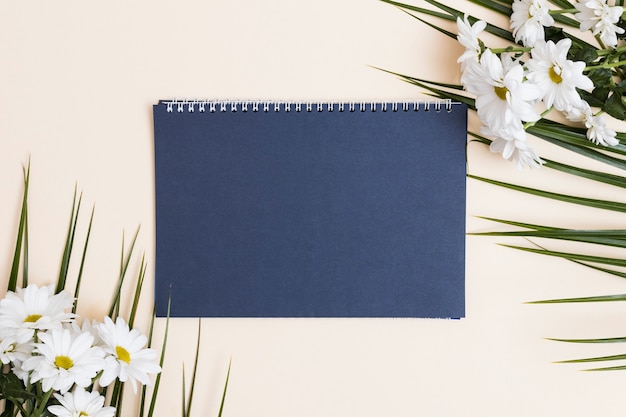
[
  {"x": 604, "y": 340},
  {"x": 142, "y": 405},
  {"x": 572, "y": 135},
  {"x": 598, "y": 176},
  {"x": 597, "y": 359},
  {"x": 451, "y": 15},
  {"x": 590, "y": 202},
  {"x": 82, "y": 262},
  {"x": 606, "y": 270},
  {"x": 433, "y": 26},
  {"x": 25, "y": 262},
  {"x": 608, "y": 368},
  {"x": 125, "y": 261},
  {"x": 442, "y": 94},
  {"x": 192, "y": 388},
  {"x": 519, "y": 224},
  {"x": 219, "y": 414},
  {"x": 614, "y": 238},
  {"x": 495, "y": 6},
  {"x": 575, "y": 256},
  {"x": 69, "y": 243},
  {"x": 594, "y": 299},
  {"x": 157, "y": 381},
  {"x": 183, "y": 412},
  {"x": 563, "y": 4},
  {"x": 602, "y": 177},
  {"x": 137, "y": 295},
  {"x": 21, "y": 230}
]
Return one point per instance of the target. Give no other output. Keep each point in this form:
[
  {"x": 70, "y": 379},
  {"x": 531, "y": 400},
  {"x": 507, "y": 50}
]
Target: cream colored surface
[{"x": 77, "y": 83}]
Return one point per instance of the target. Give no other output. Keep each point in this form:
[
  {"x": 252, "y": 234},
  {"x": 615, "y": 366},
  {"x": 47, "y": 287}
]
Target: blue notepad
[{"x": 277, "y": 209}]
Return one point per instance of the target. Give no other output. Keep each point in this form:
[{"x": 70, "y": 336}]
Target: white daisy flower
[
  {"x": 468, "y": 37},
  {"x": 34, "y": 308},
  {"x": 18, "y": 371},
  {"x": 601, "y": 18},
  {"x": 11, "y": 351},
  {"x": 597, "y": 131},
  {"x": 512, "y": 148},
  {"x": 528, "y": 19},
  {"x": 127, "y": 358},
  {"x": 557, "y": 76},
  {"x": 79, "y": 403},
  {"x": 64, "y": 359},
  {"x": 503, "y": 99}
]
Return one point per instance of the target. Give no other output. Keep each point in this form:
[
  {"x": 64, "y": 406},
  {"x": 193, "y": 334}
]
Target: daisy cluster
[
  {"x": 45, "y": 346},
  {"x": 547, "y": 69}
]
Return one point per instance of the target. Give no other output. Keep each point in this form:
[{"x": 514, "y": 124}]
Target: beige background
[{"x": 77, "y": 82}]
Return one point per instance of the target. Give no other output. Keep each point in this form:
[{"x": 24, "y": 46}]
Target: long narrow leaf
[
  {"x": 15, "y": 266},
  {"x": 219, "y": 414},
  {"x": 125, "y": 261},
  {"x": 576, "y": 256},
  {"x": 138, "y": 288},
  {"x": 452, "y": 16},
  {"x": 597, "y": 359},
  {"x": 495, "y": 6},
  {"x": 594, "y": 299},
  {"x": 572, "y": 135},
  {"x": 598, "y": 176},
  {"x": 157, "y": 381},
  {"x": 590, "y": 202},
  {"x": 142, "y": 405},
  {"x": 520, "y": 224},
  {"x": 604, "y": 340},
  {"x": 192, "y": 388},
  {"x": 69, "y": 243},
  {"x": 608, "y": 368},
  {"x": 615, "y": 238},
  {"x": 82, "y": 262},
  {"x": 433, "y": 26}
]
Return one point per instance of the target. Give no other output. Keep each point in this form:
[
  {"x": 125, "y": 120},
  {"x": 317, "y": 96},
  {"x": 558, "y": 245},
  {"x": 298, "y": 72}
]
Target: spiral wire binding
[{"x": 265, "y": 106}]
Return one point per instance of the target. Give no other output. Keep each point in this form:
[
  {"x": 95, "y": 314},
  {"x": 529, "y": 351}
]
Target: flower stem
[
  {"x": 542, "y": 115},
  {"x": 510, "y": 49},
  {"x": 609, "y": 51},
  {"x": 39, "y": 411},
  {"x": 562, "y": 11},
  {"x": 606, "y": 65}
]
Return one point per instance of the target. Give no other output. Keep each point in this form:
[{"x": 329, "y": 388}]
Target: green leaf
[
  {"x": 602, "y": 204},
  {"x": 69, "y": 243},
  {"x": 187, "y": 409},
  {"x": 495, "y": 6},
  {"x": 82, "y": 262},
  {"x": 602, "y": 177},
  {"x": 137, "y": 295},
  {"x": 594, "y": 299},
  {"x": 157, "y": 381},
  {"x": 597, "y": 359},
  {"x": 219, "y": 414},
  {"x": 615, "y": 238},
  {"x": 125, "y": 261},
  {"x": 615, "y": 107},
  {"x": 604, "y": 340},
  {"x": 452, "y": 15},
  {"x": 575, "y": 256},
  {"x": 20, "y": 240}
]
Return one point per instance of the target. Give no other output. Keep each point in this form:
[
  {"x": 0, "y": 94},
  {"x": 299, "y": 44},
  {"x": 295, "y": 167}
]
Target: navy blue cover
[{"x": 310, "y": 214}]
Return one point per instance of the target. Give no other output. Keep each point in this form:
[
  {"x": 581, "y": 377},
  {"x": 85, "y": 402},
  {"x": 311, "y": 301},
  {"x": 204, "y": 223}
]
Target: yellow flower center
[
  {"x": 501, "y": 92},
  {"x": 32, "y": 318},
  {"x": 82, "y": 413},
  {"x": 122, "y": 354},
  {"x": 554, "y": 76},
  {"x": 63, "y": 362}
]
